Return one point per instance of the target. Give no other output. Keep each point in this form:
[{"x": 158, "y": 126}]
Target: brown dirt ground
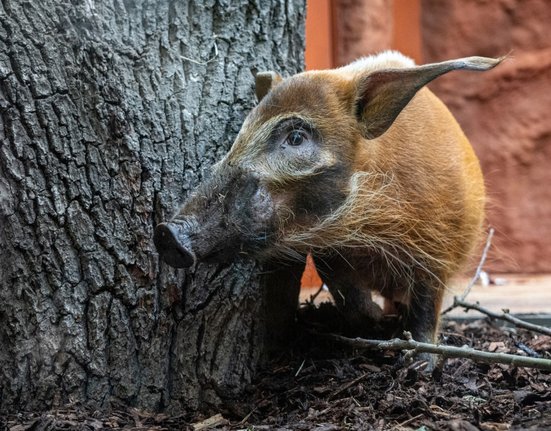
[{"x": 320, "y": 385}]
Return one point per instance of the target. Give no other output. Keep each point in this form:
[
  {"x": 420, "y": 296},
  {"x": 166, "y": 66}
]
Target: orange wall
[
  {"x": 406, "y": 32},
  {"x": 319, "y": 35},
  {"x": 322, "y": 38}
]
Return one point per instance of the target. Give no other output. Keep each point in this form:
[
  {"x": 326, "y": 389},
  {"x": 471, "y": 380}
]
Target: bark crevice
[{"x": 104, "y": 129}]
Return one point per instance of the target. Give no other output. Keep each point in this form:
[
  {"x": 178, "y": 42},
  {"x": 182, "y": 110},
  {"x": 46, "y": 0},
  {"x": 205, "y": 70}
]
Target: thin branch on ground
[
  {"x": 505, "y": 315},
  {"x": 477, "y": 273},
  {"x": 447, "y": 351},
  {"x": 347, "y": 385},
  {"x": 315, "y": 295},
  {"x": 459, "y": 301},
  {"x": 209, "y": 423}
]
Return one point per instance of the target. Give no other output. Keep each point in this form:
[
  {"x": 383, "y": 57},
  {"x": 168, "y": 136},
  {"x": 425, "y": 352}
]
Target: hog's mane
[{"x": 372, "y": 217}]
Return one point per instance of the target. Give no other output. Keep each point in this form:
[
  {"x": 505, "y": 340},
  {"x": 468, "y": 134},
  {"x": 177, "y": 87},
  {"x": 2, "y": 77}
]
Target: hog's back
[{"x": 439, "y": 179}]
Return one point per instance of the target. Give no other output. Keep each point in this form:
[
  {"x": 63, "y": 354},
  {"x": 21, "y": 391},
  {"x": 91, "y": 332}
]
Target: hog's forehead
[
  {"x": 317, "y": 98},
  {"x": 309, "y": 94}
]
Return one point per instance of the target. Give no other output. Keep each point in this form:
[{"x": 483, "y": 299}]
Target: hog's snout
[
  {"x": 171, "y": 243},
  {"x": 228, "y": 215}
]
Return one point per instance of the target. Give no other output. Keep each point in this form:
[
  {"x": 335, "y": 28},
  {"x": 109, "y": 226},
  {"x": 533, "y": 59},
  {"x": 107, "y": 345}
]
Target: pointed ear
[
  {"x": 264, "y": 82},
  {"x": 383, "y": 94}
]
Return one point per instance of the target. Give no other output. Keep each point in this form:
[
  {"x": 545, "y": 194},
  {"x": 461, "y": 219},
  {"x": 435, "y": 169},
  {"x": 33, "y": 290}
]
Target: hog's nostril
[{"x": 169, "y": 242}]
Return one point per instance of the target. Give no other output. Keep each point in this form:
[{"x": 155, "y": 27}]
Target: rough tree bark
[{"x": 110, "y": 112}]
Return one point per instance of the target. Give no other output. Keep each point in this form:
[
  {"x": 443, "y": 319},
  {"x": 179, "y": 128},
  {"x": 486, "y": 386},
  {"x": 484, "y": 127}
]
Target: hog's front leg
[
  {"x": 422, "y": 316},
  {"x": 350, "y": 293}
]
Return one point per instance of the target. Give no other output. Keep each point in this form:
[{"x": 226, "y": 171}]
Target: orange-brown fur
[
  {"x": 415, "y": 194},
  {"x": 360, "y": 166}
]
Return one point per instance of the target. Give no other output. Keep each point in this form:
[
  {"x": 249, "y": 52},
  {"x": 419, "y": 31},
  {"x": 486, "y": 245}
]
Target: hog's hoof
[{"x": 430, "y": 360}]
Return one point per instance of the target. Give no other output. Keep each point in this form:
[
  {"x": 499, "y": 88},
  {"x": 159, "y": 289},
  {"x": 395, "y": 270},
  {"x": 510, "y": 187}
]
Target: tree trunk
[{"x": 110, "y": 112}]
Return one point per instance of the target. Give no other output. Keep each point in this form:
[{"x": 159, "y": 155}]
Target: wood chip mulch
[{"x": 322, "y": 386}]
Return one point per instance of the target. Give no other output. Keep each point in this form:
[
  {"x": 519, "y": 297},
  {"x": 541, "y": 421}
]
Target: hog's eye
[{"x": 296, "y": 138}]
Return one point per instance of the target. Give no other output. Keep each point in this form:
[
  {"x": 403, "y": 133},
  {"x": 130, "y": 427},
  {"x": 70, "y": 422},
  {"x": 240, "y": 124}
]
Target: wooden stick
[
  {"x": 209, "y": 423},
  {"x": 477, "y": 272},
  {"x": 505, "y": 315},
  {"x": 446, "y": 351},
  {"x": 347, "y": 385},
  {"x": 480, "y": 264}
]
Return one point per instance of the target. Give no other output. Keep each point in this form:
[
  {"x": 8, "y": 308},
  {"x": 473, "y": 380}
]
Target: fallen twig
[
  {"x": 315, "y": 295},
  {"x": 447, "y": 351},
  {"x": 213, "y": 421},
  {"x": 300, "y": 368},
  {"x": 410, "y": 420},
  {"x": 527, "y": 350},
  {"x": 477, "y": 273},
  {"x": 347, "y": 385},
  {"x": 480, "y": 264},
  {"x": 505, "y": 315}
]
